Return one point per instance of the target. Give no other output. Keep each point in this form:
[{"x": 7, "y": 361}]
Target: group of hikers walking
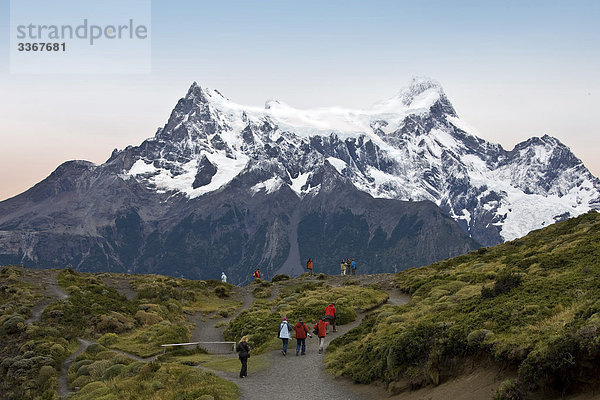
[
  {"x": 347, "y": 267},
  {"x": 301, "y": 331}
]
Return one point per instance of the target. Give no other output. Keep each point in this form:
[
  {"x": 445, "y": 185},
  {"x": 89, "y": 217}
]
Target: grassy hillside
[
  {"x": 32, "y": 351},
  {"x": 532, "y": 304}
]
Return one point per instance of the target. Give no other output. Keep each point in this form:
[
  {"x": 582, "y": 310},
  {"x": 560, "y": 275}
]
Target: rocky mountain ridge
[{"x": 227, "y": 187}]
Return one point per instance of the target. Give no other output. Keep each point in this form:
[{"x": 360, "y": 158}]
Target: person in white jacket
[
  {"x": 223, "y": 277},
  {"x": 285, "y": 330}
]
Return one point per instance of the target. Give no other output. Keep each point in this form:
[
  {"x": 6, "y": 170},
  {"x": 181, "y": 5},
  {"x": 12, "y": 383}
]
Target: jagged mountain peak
[
  {"x": 418, "y": 86},
  {"x": 217, "y": 165},
  {"x": 422, "y": 94},
  {"x": 197, "y": 92},
  {"x": 411, "y": 147}
]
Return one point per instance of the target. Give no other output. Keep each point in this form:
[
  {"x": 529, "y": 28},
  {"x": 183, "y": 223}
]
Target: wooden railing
[{"x": 164, "y": 346}]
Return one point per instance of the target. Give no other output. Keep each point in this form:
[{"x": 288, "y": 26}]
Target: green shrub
[
  {"x": 93, "y": 390},
  {"x": 280, "y": 277},
  {"x": 157, "y": 385},
  {"x": 95, "y": 348},
  {"x": 78, "y": 364},
  {"x": 506, "y": 281},
  {"x": 84, "y": 370},
  {"x": 133, "y": 369},
  {"x": 261, "y": 292},
  {"x": 108, "y": 339},
  {"x": 46, "y": 372},
  {"x": 487, "y": 292},
  {"x": 147, "y": 318},
  {"x": 12, "y": 325},
  {"x": 345, "y": 315},
  {"x": 113, "y": 371},
  {"x": 508, "y": 390},
  {"x": 221, "y": 291},
  {"x": 260, "y": 325},
  {"x": 475, "y": 338}
]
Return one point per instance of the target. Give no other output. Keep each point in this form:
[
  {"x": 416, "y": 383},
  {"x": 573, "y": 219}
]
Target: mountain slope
[
  {"x": 227, "y": 187},
  {"x": 117, "y": 225},
  {"x": 530, "y": 305}
]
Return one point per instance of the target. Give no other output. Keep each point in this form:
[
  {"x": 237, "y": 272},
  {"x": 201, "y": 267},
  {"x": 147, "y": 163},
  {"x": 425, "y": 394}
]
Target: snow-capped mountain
[
  {"x": 225, "y": 187},
  {"x": 411, "y": 147}
]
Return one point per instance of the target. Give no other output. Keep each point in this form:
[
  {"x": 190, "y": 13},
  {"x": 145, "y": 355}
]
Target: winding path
[
  {"x": 306, "y": 376},
  {"x": 52, "y": 292},
  {"x": 63, "y": 379}
]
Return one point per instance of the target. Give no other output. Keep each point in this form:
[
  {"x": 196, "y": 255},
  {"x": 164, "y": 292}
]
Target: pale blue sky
[{"x": 512, "y": 71}]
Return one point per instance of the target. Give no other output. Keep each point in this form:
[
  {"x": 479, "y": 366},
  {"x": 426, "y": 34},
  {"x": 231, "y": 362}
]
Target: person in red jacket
[
  {"x": 321, "y": 327},
  {"x": 330, "y": 314},
  {"x": 301, "y": 332}
]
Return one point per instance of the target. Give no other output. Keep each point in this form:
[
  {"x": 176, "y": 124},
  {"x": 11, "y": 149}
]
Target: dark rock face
[
  {"x": 219, "y": 188},
  {"x": 206, "y": 170},
  {"x": 229, "y": 230}
]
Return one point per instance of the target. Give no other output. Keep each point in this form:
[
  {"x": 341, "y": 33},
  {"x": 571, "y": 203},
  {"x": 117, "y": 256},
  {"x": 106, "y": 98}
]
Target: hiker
[
  {"x": 301, "y": 332},
  {"x": 320, "y": 329},
  {"x": 348, "y": 266},
  {"x": 256, "y": 274},
  {"x": 309, "y": 266},
  {"x": 353, "y": 265},
  {"x": 244, "y": 349},
  {"x": 284, "y": 334},
  {"x": 330, "y": 314},
  {"x": 343, "y": 267},
  {"x": 223, "y": 277}
]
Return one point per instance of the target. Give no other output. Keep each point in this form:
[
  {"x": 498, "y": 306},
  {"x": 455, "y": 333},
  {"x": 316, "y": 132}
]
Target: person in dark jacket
[
  {"x": 244, "y": 349},
  {"x": 301, "y": 332},
  {"x": 331, "y": 314},
  {"x": 321, "y": 328}
]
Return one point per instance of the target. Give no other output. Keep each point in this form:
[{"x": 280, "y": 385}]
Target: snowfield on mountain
[
  {"x": 225, "y": 187},
  {"x": 412, "y": 147}
]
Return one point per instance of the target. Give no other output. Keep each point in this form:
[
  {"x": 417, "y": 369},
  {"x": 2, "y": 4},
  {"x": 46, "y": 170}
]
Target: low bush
[
  {"x": 509, "y": 390},
  {"x": 108, "y": 339},
  {"x": 280, "y": 278},
  {"x": 147, "y": 318},
  {"x": 261, "y": 292}
]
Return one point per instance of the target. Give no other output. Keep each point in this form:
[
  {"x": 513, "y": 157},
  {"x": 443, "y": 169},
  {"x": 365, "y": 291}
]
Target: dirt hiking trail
[{"x": 291, "y": 374}]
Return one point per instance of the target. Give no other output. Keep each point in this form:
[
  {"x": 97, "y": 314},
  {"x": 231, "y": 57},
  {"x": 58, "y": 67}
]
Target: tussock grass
[
  {"x": 150, "y": 381},
  {"x": 531, "y": 303},
  {"x": 32, "y": 355}
]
